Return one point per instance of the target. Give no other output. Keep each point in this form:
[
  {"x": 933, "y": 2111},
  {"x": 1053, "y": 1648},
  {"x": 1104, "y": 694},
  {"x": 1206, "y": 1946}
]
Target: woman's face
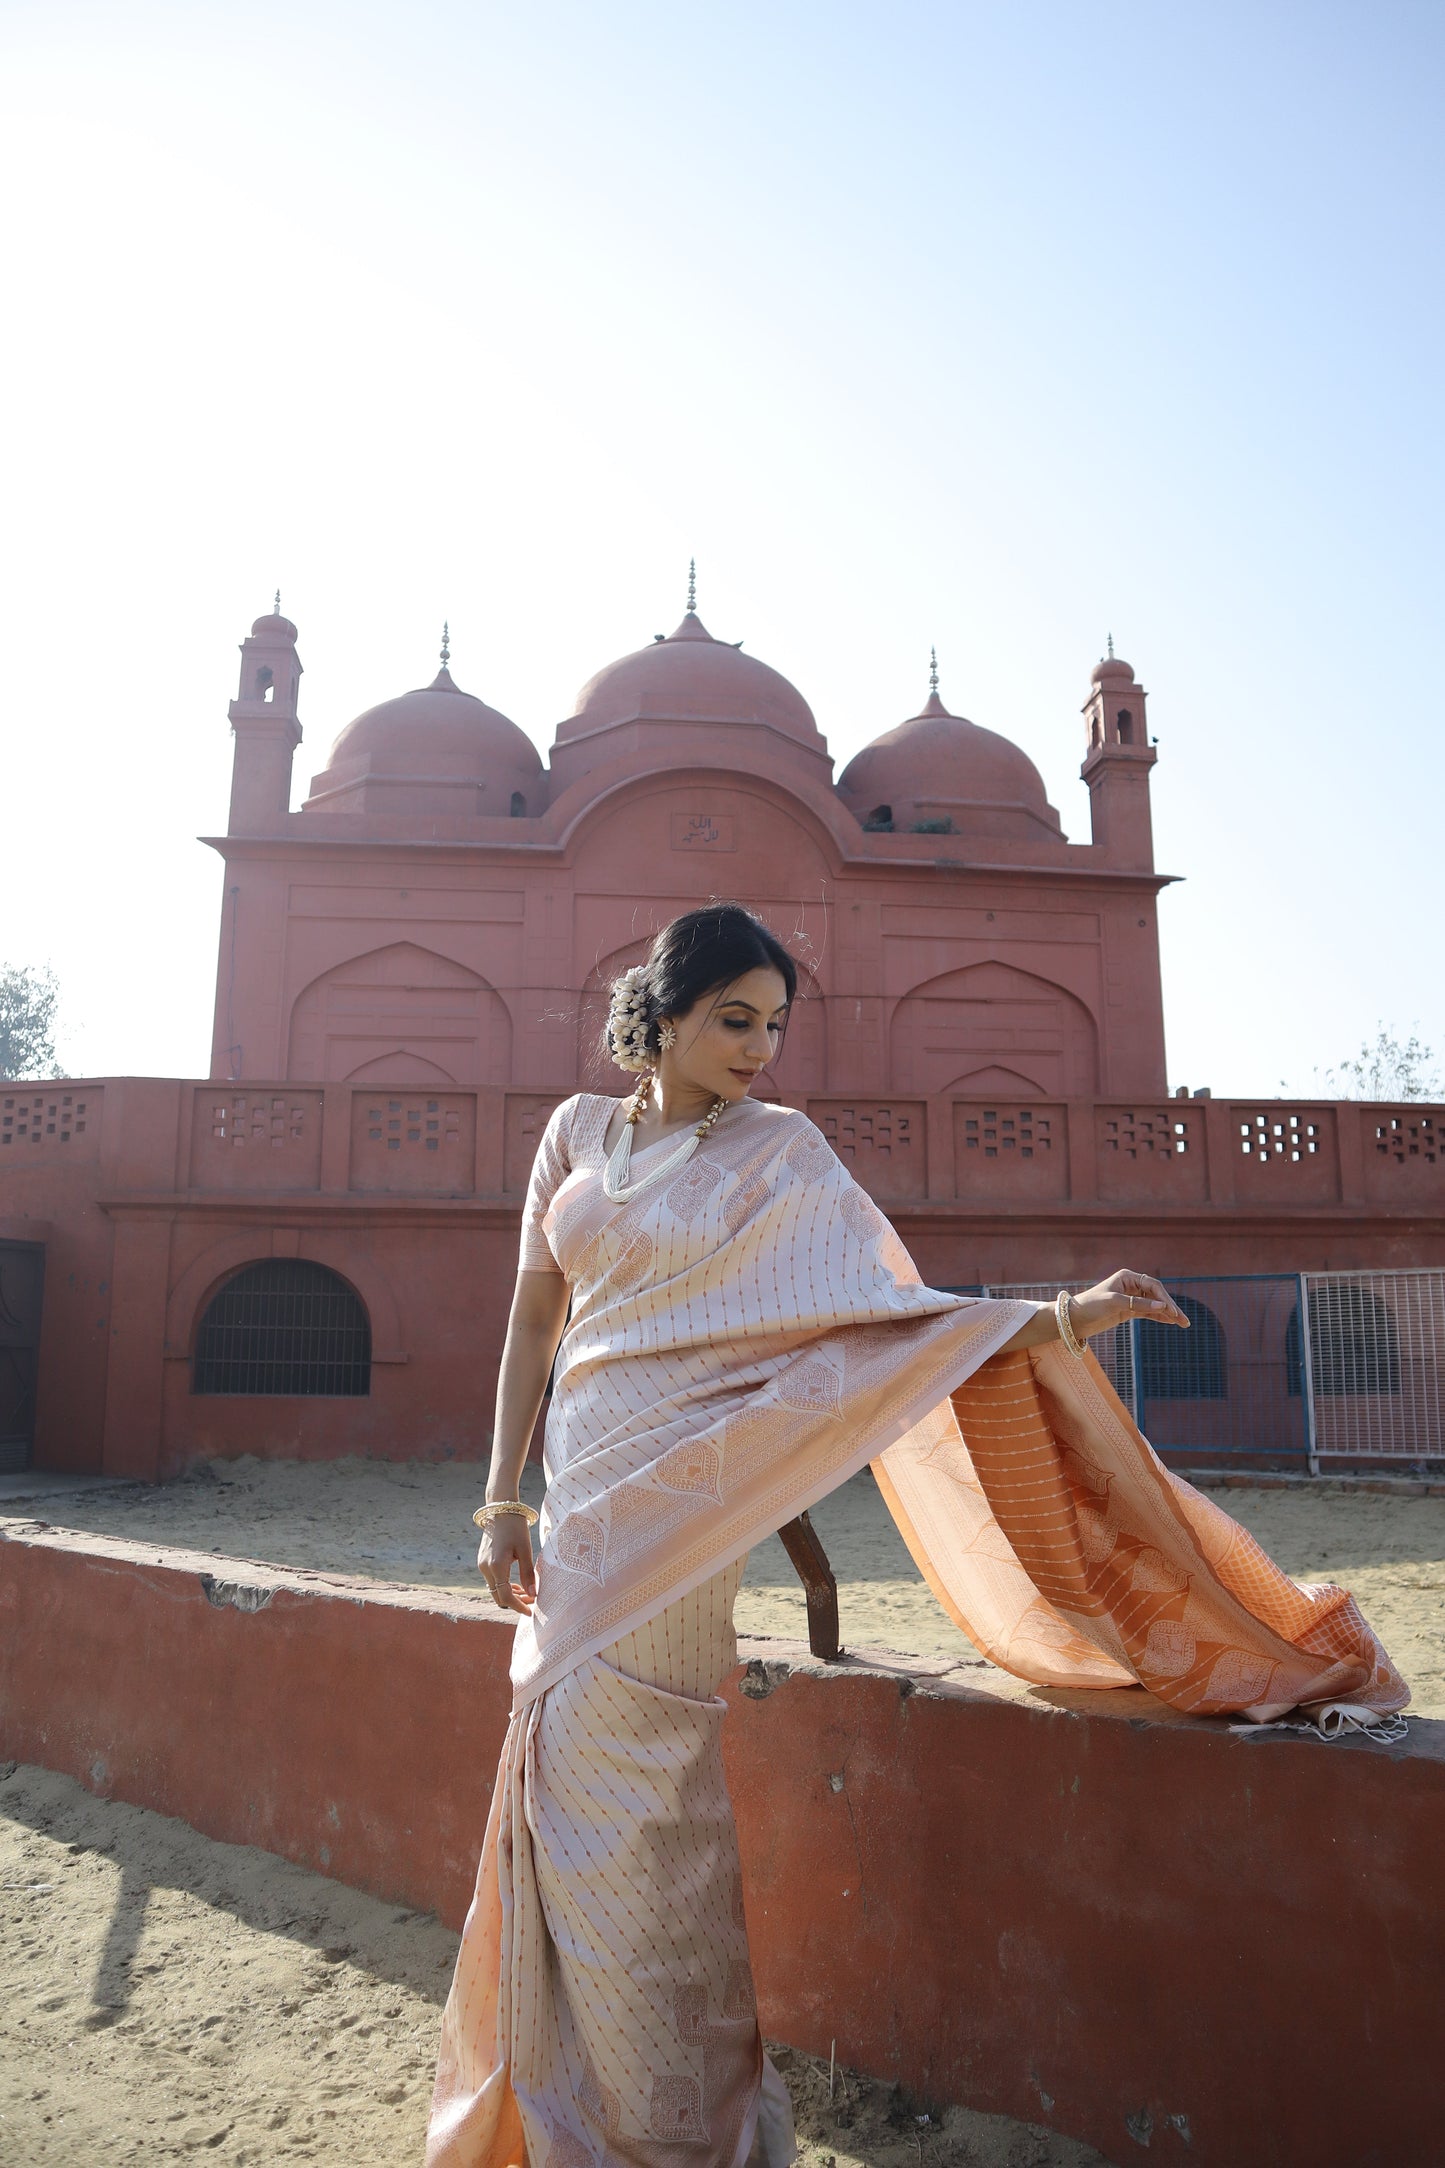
[{"x": 724, "y": 1039}]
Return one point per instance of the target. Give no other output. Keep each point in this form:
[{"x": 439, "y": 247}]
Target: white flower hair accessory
[{"x": 627, "y": 1021}]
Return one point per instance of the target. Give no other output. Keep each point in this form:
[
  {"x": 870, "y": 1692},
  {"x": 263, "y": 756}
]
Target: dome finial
[
  {"x": 446, "y": 645},
  {"x": 1111, "y": 647},
  {"x": 933, "y": 670},
  {"x": 276, "y": 611},
  {"x": 691, "y": 586}
]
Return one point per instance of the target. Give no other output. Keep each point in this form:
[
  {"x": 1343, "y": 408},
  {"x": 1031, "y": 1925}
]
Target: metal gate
[
  {"x": 1288, "y": 1368},
  {"x": 22, "y": 1273}
]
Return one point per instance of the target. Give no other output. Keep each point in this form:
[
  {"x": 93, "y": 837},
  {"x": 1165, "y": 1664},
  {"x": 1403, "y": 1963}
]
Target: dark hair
[{"x": 704, "y": 949}]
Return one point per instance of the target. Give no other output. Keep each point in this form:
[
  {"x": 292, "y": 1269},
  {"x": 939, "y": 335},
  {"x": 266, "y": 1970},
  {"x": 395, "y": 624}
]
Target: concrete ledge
[{"x": 1143, "y": 1930}]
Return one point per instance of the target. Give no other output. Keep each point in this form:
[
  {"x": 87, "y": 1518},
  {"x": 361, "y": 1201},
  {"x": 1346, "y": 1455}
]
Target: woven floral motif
[
  {"x": 687, "y": 1195},
  {"x": 810, "y": 1155},
  {"x": 677, "y": 2109},
  {"x": 630, "y": 1267},
  {"x": 1170, "y": 1649},
  {"x": 813, "y": 1384},
  {"x": 750, "y": 1195},
  {"x": 567, "y": 2150},
  {"x": 739, "y": 1998},
  {"x": 1097, "y": 1533},
  {"x": 1239, "y": 1677},
  {"x": 598, "y": 2102},
  {"x": 581, "y": 1545},
  {"x": 694, "y": 1467},
  {"x": 861, "y": 1216}
]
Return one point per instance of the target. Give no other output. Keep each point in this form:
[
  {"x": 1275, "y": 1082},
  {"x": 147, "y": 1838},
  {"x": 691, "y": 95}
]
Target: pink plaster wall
[{"x": 173, "y": 1185}]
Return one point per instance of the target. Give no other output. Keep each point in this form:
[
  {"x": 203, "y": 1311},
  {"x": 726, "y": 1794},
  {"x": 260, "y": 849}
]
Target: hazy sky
[{"x": 998, "y": 327}]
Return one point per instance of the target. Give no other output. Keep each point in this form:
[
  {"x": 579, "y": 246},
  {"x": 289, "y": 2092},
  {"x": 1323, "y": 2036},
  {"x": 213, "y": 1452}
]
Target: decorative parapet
[
  {"x": 416, "y": 1143},
  {"x": 1285, "y": 1154},
  {"x": 882, "y": 1142},
  {"x": 949, "y": 1154},
  {"x": 1404, "y": 1155},
  {"x": 245, "y": 1139},
  {"x": 1014, "y": 1151},
  {"x": 49, "y": 1118},
  {"x": 1149, "y": 1153}
]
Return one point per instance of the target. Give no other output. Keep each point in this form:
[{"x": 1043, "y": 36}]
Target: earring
[{"x": 666, "y": 1036}]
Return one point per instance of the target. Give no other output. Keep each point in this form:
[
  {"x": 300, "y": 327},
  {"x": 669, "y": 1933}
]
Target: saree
[{"x": 743, "y": 1338}]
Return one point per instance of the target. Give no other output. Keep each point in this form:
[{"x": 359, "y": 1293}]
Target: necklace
[{"x": 615, "y": 1175}]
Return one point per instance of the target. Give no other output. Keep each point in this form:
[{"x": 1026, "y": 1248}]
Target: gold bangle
[
  {"x": 1067, "y": 1333},
  {"x": 485, "y": 1515}
]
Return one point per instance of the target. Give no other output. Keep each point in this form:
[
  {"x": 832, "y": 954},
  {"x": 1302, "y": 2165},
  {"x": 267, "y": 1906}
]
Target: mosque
[
  {"x": 445, "y": 910},
  {"x": 310, "y": 1252}
]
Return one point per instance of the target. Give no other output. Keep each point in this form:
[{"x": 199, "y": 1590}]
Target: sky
[{"x": 997, "y": 328}]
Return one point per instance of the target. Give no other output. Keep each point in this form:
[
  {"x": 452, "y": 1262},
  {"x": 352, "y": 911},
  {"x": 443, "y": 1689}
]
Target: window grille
[{"x": 284, "y": 1326}]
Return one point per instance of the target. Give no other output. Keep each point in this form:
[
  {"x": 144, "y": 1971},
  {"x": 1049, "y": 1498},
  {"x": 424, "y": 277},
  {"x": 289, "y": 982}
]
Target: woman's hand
[
  {"x": 506, "y": 1543},
  {"x": 1122, "y": 1296}
]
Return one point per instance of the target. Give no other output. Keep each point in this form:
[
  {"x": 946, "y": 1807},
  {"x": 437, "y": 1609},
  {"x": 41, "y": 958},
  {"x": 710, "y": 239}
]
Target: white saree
[{"x": 743, "y": 1338}]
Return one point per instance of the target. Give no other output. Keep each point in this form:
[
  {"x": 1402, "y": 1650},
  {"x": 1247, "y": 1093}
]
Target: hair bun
[{"x": 629, "y": 1021}]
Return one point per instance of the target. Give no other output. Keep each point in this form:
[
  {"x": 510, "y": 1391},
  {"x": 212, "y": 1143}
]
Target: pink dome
[
  {"x": 937, "y": 764},
  {"x": 273, "y": 626},
  {"x": 437, "y": 734},
  {"x": 691, "y": 677},
  {"x": 1110, "y": 671}
]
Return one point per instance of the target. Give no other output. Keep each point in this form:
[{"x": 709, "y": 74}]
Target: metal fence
[{"x": 1306, "y": 1368}]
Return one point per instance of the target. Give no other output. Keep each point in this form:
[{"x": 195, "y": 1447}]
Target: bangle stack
[
  {"x": 485, "y": 1515},
  {"x": 1067, "y": 1333}
]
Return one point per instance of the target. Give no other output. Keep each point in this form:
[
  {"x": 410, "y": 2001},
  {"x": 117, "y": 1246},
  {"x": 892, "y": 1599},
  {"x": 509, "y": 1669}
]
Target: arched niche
[
  {"x": 992, "y": 1018},
  {"x": 399, "y": 1066},
  {"x": 1193, "y": 1365},
  {"x": 195, "y": 1287},
  {"x": 284, "y": 1327},
  {"x": 401, "y": 1014},
  {"x": 990, "y": 1082}
]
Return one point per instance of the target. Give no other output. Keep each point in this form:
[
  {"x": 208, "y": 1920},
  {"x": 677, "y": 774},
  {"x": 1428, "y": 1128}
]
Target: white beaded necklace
[{"x": 615, "y": 1181}]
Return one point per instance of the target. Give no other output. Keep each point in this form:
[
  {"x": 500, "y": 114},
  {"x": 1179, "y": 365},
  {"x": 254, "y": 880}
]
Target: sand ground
[
  {"x": 168, "y": 1998},
  {"x": 171, "y": 1998}
]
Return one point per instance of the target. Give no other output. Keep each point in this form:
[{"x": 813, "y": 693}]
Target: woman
[{"x": 745, "y": 1332}]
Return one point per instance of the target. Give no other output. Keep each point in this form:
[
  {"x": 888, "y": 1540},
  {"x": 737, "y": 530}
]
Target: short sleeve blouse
[{"x": 550, "y": 1169}]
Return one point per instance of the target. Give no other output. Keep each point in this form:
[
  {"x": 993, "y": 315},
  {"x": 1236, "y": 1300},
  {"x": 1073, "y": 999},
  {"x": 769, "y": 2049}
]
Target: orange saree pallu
[{"x": 742, "y": 1339}]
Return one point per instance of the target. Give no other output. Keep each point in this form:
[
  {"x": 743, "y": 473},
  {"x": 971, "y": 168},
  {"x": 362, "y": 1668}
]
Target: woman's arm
[
  {"x": 539, "y": 1311},
  {"x": 1123, "y": 1295}
]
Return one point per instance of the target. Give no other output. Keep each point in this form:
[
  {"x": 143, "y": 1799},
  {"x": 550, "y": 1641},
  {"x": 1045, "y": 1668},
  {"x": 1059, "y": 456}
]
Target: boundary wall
[
  {"x": 149, "y": 1193},
  {"x": 1146, "y": 1931}
]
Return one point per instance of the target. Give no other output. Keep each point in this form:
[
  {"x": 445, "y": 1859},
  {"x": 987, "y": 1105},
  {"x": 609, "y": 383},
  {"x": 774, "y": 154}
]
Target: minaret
[
  {"x": 1117, "y": 763},
  {"x": 263, "y": 722}
]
